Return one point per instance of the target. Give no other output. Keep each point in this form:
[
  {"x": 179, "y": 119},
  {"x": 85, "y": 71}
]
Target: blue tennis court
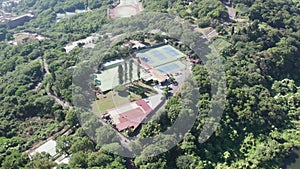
[
  {"x": 146, "y": 59},
  {"x": 171, "y": 67},
  {"x": 158, "y": 55},
  {"x": 168, "y": 68},
  {"x": 171, "y": 51}
]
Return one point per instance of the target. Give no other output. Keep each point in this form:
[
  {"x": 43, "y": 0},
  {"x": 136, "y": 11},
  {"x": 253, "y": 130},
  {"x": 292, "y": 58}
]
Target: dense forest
[
  {"x": 203, "y": 12},
  {"x": 261, "y": 119}
]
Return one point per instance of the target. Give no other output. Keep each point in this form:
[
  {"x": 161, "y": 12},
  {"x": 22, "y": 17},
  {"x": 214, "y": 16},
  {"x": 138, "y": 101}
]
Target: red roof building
[{"x": 133, "y": 118}]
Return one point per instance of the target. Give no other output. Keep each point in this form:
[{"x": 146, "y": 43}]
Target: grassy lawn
[
  {"x": 108, "y": 101},
  {"x": 100, "y": 107}
]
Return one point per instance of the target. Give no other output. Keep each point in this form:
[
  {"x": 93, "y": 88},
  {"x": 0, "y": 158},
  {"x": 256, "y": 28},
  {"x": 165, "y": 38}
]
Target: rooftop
[
  {"x": 130, "y": 115},
  {"x": 48, "y": 147}
]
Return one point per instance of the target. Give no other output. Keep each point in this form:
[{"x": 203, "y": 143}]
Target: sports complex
[{"x": 156, "y": 63}]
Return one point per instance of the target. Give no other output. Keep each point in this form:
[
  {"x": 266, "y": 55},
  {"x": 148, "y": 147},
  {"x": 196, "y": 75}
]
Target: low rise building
[{"x": 19, "y": 21}]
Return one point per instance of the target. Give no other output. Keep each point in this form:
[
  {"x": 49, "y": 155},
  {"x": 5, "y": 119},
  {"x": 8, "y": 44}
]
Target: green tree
[
  {"x": 42, "y": 161},
  {"x": 166, "y": 90},
  {"x": 130, "y": 70},
  {"x": 106, "y": 135},
  {"x": 71, "y": 118},
  {"x": 126, "y": 71},
  {"x": 99, "y": 160},
  {"x": 121, "y": 74},
  {"x": 64, "y": 143},
  {"x": 14, "y": 161},
  {"x": 184, "y": 162},
  {"x": 79, "y": 160},
  {"x": 82, "y": 144}
]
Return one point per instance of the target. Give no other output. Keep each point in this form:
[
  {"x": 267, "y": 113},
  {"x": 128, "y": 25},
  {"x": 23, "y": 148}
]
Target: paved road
[{"x": 231, "y": 11}]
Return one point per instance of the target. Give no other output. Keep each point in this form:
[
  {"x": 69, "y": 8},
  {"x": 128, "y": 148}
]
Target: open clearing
[
  {"x": 220, "y": 44},
  {"x": 126, "y": 8}
]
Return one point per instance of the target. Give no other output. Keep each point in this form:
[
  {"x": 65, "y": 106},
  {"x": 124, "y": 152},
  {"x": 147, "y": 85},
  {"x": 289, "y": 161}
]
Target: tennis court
[
  {"x": 160, "y": 56},
  {"x": 109, "y": 79},
  {"x": 171, "y": 51},
  {"x": 172, "y": 67}
]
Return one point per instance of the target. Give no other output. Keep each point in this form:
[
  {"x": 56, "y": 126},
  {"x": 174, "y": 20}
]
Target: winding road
[{"x": 58, "y": 100}]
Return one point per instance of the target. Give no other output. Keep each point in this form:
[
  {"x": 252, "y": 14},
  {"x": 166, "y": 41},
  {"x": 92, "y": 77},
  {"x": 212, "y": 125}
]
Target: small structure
[
  {"x": 63, "y": 159},
  {"x": 25, "y": 36},
  {"x": 111, "y": 64},
  {"x": 48, "y": 147},
  {"x": 196, "y": 61},
  {"x": 135, "y": 44}
]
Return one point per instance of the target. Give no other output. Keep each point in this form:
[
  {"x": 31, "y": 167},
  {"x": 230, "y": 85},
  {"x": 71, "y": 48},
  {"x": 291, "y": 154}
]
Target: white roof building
[{"x": 48, "y": 147}]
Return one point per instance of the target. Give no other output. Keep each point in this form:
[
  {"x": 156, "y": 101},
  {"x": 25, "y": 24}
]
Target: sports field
[
  {"x": 109, "y": 79},
  {"x": 126, "y": 8},
  {"x": 159, "y": 56},
  {"x": 124, "y": 11}
]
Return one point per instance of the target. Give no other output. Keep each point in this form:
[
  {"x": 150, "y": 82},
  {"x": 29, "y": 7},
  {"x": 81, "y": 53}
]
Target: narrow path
[
  {"x": 58, "y": 100},
  {"x": 42, "y": 79},
  {"x": 45, "y": 68}
]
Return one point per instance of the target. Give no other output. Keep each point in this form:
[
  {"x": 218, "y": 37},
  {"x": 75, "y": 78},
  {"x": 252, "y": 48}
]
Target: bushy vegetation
[
  {"x": 203, "y": 12},
  {"x": 260, "y": 122}
]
